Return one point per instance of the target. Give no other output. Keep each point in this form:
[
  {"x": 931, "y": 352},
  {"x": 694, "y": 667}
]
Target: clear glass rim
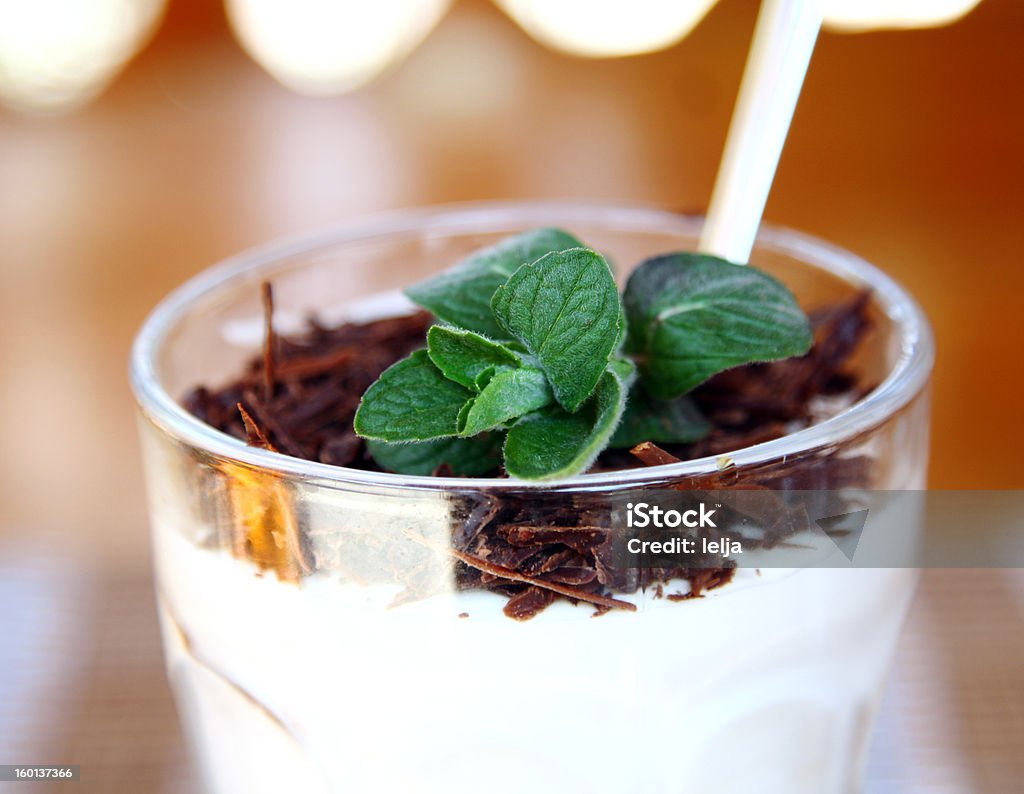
[{"x": 905, "y": 380}]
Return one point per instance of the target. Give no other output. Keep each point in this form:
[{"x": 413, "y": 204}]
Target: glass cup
[{"x": 317, "y": 630}]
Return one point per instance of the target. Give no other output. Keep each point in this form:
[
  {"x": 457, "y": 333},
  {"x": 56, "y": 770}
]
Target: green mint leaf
[
  {"x": 467, "y": 357},
  {"x": 509, "y": 395},
  {"x": 460, "y": 420},
  {"x": 692, "y": 315},
  {"x": 462, "y": 296},
  {"x": 566, "y": 310},
  {"x": 674, "y": 421},
  {"x": 624, "y": 370},
  {"x": 411, "y": 401},
  {"x": 560, "y": 444},
  {"x": 467, "y": 457}
]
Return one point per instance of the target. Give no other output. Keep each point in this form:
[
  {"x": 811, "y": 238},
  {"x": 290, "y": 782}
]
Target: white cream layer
[{"x": 767, "y": 685}]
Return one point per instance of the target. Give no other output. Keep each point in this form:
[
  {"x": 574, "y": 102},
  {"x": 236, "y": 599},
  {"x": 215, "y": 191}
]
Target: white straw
[{"x": 783, "y": 41}]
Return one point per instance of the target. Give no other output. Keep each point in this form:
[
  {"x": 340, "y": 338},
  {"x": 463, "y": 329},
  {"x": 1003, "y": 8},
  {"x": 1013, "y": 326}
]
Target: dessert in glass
[{"x": 330, "y": 628}]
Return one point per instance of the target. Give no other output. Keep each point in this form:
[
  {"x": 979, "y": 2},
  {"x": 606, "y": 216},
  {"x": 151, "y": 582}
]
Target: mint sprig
[
  {"x": 558, "y": 443},
  {"x": 565, "y": 310},
  {"x": 467, "y": 357},
  {"x": 510, "y": 394},
  {"x": 531, "y": 357},
  {"x": 692, "y": 315},
  {"x": 465, "y": 457},
  {"x": 411, "y": 401},
  {"x": 462, "y": 296},
  {"x": 675, "y": 421}
]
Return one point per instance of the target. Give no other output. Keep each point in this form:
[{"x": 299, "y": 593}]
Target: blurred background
[{"x": 143, "y": 141}]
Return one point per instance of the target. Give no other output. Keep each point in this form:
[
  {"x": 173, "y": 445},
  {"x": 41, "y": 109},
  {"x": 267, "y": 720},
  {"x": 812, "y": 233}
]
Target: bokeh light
[
  {"x": 606, "y": 28},
  {"x": 863, "y": 15},
  {"x": 58, "y": 54},
  {"x": 331, "y": 46}
]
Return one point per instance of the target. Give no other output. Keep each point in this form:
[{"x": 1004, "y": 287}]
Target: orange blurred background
[{"x": 906, "y": 148}]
